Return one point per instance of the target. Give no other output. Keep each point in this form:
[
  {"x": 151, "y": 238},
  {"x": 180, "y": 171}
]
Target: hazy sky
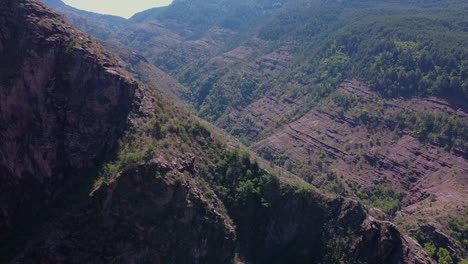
[{"x": 123, "y": 8}]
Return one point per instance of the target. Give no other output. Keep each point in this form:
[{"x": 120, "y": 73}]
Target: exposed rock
[
  {"x": 313, "y": 229},
  {"x": 257, "y": 118},
  {"x": 441, "y": 240},
  {"x": 144, "y": 214},
  {"x": 64, "y": 114},
  {"x": 63, "y": 101},
  {"x": 433, "y": 178}
]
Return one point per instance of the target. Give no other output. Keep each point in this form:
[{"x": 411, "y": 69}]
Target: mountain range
[{"x": 337, "y": 133}]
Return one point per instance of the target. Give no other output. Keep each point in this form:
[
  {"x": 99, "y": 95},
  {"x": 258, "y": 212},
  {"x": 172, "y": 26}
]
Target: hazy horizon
[{"x": 123, "y": 8}]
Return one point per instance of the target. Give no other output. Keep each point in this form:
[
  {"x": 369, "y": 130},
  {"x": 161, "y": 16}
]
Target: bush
[
  {"x": 246, "y": 191},
  {"x": 304, "y": 189},
  {"x": 444, "y": 256},
  {"x": 150, "y": 150},
  {"x": 158, "y": 130},
  {"x": 430, "y": 249},
  {"x": 459, "y": 229},
  {"x": 383, "y": 198},
  {"x": 127, "y": 159}
]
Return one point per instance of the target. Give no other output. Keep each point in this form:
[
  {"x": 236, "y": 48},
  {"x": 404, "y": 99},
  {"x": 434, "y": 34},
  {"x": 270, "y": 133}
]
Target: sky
[{"x": 123, "y": 8}]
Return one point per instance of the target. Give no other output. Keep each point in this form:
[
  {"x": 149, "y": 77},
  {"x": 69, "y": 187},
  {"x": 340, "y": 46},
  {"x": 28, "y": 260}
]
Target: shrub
[
  {"x": 304, "y": 189},
  {"x": 158, "y": 130},
  {"x": 430, "y": 249},
  {"x": 382, "y": 197},
  {"x": 128, "y": 159},
  {"x": 444, "y": 256}
]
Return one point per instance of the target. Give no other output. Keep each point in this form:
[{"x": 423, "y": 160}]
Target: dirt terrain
[{"x": 433, "y": 180}]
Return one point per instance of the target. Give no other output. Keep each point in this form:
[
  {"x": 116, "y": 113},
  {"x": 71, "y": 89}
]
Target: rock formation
[{"x": 66, "y": 109}]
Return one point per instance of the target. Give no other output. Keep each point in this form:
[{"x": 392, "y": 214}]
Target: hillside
[
  {"x": 97, "y": 168},
  {"x": 362, "y": 99}
]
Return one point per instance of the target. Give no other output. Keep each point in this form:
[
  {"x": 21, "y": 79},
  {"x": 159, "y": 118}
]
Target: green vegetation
[
  {"x": 417, "y": 51},
  {"x": 443, "y": 129},
  {"x": 459, "y": 229},
  {"x": 304, "y": 189},
  {"x": 444, "y": 257},
  {"x": 243, "y": 180},
  {"x": 430, "y": 249},
  {"x": 414, "y": 52},
  {"x": 440, "y": 128},
  {"x": 170, "y": 132},
  {"x": 399, "y": 48},
  {"x": 440, "y": 254},
  {"x": 382, "y": 197},
  {"x": 331, "y": 183}
]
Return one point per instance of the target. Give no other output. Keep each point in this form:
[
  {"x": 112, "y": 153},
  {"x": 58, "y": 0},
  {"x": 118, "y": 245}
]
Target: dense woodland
[
  {"x": 398, "y": 51},
  {"x": 398, "y": 48}
]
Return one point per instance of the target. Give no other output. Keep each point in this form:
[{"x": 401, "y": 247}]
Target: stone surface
[{"x": 64, "y": 102}]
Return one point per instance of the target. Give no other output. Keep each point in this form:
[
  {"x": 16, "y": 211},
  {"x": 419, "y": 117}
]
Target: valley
[{"x": 338, "y": 132}]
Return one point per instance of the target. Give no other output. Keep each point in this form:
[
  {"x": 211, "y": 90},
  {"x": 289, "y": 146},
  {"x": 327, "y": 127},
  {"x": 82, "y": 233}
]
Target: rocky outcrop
[
  {"x": 441, "y": 240},
  {"x": 146, "y": 214},
  {"x": 152, "y": 212},
  {"x": 63, "y": 106},
  {"x": 312, "y": 228},
  {"x": 433, "y": 178},
  {"x": 63, "y": 109}
]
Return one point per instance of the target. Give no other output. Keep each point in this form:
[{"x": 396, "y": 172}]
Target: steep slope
[
  {"x": 63, "y": 105},
  {"x": 104, "y": 27},
  {"x": 396, "y": 140},
  {"x": 172, "y": 193},
  {"x": 146, "y": 72},
  {"x": 231, "y": 54},
  {"x": 374, "y": 149},
  {"x": 101, "y": 26}
]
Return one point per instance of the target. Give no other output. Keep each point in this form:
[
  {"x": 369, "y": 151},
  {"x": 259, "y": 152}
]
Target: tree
[
  {"x": 444, "y": 256},
  {"x": 430, "y": 249}
]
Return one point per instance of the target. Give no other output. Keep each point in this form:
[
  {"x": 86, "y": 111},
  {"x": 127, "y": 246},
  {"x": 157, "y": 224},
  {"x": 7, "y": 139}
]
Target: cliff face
[
  {"x": 430, "y": 178},
  {"x": 140, "y": 218},
  {"x": 66, "y": 105},
  {"x": 63, "y": 105}
]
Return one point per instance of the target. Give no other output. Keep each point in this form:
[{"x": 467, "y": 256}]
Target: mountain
[
  {"x": 97, "y": 167},
  {"x": 362, "y": 99},
  {"x": 99, "y": 25},
  {"x": 64, "y": 102}
]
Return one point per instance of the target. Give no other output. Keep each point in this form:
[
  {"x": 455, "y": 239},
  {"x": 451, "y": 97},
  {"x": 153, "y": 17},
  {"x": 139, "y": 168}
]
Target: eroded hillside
[
  {"x": 281, "y": 78},
  {"x": 372, "y": 149},
  {"x": 99, "y": 168}
]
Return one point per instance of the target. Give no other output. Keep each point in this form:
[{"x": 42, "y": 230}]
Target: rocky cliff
[
  {"x": 63, "y": 102},
  {"x": 168, "y": 189}
]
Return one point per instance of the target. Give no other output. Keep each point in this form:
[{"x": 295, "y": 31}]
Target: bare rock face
[
  {"x": 433, "y": 179},
  {"x": 311, "y": 228},
  {"x": 140, "y": 218},
  {"x": 63, "y": 105}
]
